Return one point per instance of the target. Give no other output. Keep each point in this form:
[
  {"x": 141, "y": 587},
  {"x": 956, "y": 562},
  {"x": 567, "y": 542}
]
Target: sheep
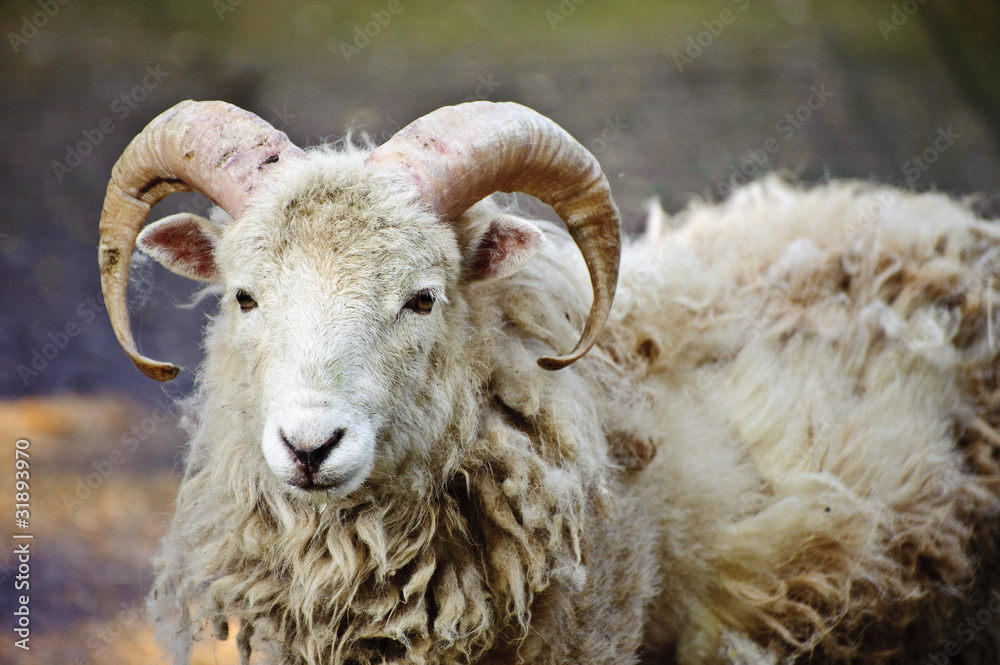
[{"x": 778, "y": 445}]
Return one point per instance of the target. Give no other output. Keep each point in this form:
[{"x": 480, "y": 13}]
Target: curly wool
[
  {"x": 352, "y": 580},
  {"x": 827, "y": 385},
  {"x": 515, "y": 528},
  {"x": 816, "y": 373}
]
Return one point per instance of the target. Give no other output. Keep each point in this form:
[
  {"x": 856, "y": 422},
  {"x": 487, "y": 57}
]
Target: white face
[{"x": 337, "y": 321}]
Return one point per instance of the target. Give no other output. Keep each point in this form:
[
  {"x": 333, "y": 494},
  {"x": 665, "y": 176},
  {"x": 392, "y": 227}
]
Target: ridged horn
[
  {"x": 214, "y": 148},
  {"x": 457, "y": 155}
]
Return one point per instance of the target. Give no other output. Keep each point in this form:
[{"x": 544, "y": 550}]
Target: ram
[{"x": 778, "y": 445}]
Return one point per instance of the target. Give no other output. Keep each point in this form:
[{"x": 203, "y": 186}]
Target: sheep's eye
[
  {"x": 421, "y": 303},
  {"x": 245, "y": 300}
]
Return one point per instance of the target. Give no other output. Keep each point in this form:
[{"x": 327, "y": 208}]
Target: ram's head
[{"x": 341, "y": 290}]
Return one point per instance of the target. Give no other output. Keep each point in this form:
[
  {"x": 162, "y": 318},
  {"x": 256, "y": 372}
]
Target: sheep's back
[{"x": 824, "y": 370}]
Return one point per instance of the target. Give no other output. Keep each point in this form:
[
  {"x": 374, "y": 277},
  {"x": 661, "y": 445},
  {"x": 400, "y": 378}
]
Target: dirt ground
[
  {"x": 101, "y": 486},
  {"x": 678, "y": 100}
]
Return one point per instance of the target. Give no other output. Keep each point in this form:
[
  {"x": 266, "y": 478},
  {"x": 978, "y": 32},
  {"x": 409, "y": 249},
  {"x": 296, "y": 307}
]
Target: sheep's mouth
[
  {"x": 324, "y": 485},
  {"x": 310, "y": 485},
  {"x": 324, "y": 482}
]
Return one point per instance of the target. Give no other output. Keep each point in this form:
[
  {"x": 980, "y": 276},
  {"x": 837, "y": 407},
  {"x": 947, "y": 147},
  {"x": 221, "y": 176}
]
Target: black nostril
[
  {"x": 310, "y": 460},
  {"x": 318, "y": 455}
]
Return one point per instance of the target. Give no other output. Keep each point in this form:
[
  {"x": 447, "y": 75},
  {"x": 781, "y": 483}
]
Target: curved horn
[
  {"x": 212, "y": 147},
  {"x": 458, "y": 155}
]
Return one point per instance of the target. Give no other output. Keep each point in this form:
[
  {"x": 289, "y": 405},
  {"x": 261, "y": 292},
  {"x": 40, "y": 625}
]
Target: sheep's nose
[{"x": 308, "y": 459}]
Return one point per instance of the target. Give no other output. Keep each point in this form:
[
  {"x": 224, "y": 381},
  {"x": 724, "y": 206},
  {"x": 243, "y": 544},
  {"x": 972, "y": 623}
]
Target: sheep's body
[
  {"x": 825, "y": 396},
  {"x": 505, "y": 531},
  {"x": 814, "y": 371}
]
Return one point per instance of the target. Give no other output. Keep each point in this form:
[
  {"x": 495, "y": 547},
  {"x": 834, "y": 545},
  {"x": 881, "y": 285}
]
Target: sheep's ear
[
  {"x": 184, "y": 243},
  {"x": 504, "y": 248}
]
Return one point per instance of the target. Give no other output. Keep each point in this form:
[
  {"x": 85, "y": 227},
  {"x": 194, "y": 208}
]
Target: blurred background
[{"x": 678, "y": 100}]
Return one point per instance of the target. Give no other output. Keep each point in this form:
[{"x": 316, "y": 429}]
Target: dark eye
[
  {"x": 245, "y": 300},
  {"x": 421, "y": 302}
]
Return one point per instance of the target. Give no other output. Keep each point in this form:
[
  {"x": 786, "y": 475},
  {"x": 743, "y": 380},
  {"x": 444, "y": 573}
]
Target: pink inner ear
[
  {"x": 502, "y": 249},
  {"x": 184, "y": 247}
]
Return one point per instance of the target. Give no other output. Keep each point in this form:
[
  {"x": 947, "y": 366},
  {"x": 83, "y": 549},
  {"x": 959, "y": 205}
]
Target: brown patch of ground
[{"x": 102, "y": 484}]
